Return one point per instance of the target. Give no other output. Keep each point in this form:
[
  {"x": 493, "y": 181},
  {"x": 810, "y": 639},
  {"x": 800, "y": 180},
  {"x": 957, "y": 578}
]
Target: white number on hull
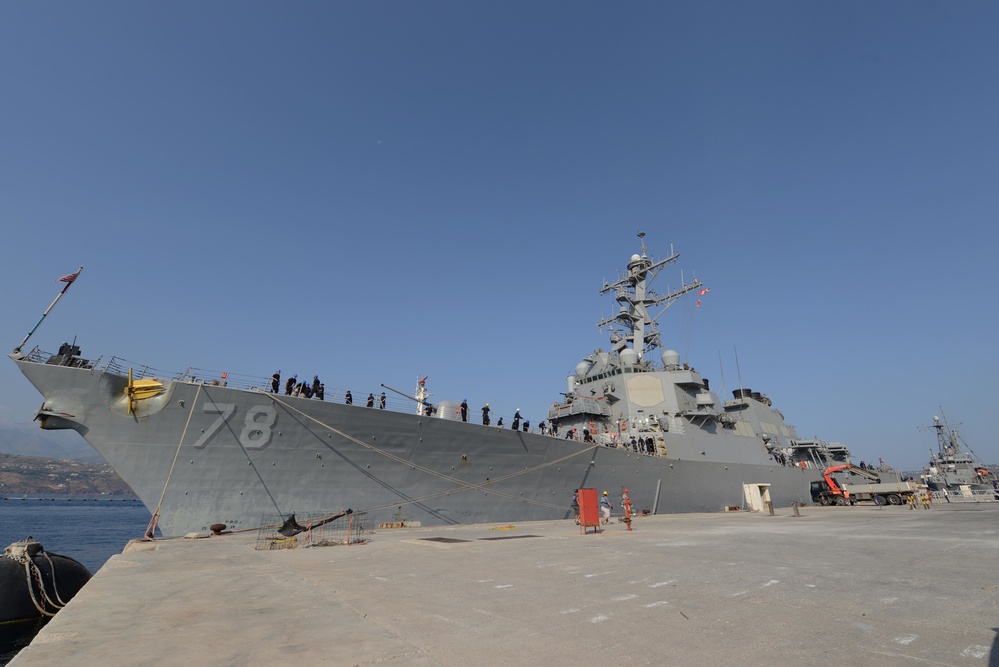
[
  {"x": 224, "y": 410},
  {"x": 257, "y": 429},
  {"x": 257, "y": 432}
]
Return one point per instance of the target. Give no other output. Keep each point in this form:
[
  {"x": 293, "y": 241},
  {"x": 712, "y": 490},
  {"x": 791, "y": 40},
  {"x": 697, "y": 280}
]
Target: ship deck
[{"x": 855, "y": 585}]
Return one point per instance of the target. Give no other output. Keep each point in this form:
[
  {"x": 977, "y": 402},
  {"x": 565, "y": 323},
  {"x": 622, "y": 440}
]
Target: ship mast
[
  {"x": 421, "y": 395},
  {"x": 633, "y": 324},
  {"x": 946, "y": 435}
]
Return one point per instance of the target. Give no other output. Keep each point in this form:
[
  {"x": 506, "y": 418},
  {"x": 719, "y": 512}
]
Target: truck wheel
[
  {"x": 841, "y": 501},
  {"x": 894, "y": 499}
]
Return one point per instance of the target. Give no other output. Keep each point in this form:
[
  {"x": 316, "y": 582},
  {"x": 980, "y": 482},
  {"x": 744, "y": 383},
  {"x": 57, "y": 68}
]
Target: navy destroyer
[{"x": 224, "y": 451}]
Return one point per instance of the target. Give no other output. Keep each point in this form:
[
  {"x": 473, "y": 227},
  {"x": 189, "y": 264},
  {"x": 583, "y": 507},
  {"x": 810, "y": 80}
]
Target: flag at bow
[{"x": 69, "y": 278}]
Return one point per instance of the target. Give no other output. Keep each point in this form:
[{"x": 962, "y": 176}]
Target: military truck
[{"x": 829, "y": 491}]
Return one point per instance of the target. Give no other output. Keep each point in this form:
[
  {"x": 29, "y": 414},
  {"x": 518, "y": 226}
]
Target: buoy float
[{"x": 35, "y": 583}]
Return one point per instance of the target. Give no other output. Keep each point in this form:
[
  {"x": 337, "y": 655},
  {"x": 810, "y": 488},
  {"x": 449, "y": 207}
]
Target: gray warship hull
[
  {"x": 216, "y": 454},
  {"x": 206, "y": 452}
]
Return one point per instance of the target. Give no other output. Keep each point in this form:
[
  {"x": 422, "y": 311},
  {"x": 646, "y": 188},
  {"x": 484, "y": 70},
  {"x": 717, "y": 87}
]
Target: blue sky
[{"x": 379, "y": 191}]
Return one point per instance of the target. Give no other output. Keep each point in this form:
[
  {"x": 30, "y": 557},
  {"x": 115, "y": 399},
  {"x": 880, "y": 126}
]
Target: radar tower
[{"x": 633, "y": 323}]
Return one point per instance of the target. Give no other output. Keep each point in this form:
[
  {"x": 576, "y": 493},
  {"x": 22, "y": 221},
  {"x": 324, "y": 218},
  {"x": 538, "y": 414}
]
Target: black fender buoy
[{"x": 35, "y": 583}]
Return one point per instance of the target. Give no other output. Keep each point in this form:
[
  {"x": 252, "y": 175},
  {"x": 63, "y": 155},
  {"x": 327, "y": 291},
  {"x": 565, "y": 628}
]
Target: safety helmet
[{"x": 605, "y": 493}]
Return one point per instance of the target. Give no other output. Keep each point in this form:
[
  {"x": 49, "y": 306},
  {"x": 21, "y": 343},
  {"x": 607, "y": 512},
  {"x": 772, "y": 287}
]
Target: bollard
[
  {"x": 794, "y": 506},
  {"x": 770, "y": 506}
]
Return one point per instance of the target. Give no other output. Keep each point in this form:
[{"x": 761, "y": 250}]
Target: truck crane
[{"x": 828, "y": 491}]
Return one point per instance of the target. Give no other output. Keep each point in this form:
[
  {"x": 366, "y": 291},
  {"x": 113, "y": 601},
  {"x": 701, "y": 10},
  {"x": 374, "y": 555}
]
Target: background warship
[
  {"x": 200, "y": 452},
  {"x": 950, "y": 467}
]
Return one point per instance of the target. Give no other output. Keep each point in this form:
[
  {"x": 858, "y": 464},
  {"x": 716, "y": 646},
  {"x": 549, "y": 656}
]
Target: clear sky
[{"x": 379, "y": 191}]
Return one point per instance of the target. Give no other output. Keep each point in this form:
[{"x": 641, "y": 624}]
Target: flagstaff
[{"x": 68, "y": 279}]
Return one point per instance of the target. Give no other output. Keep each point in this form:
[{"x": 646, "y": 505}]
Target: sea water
[{"x": 89, "y": 529}]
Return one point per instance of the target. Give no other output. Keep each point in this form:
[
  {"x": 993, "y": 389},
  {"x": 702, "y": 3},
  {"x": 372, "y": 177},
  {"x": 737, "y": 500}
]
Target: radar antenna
[
  {"x": 633, "y": 323},
  {"x": 946, "y": 435}
]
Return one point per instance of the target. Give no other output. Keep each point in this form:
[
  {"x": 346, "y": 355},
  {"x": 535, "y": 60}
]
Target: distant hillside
[
  {"x": 30, "y": 440},
  {"x": 33, "y": 475}
]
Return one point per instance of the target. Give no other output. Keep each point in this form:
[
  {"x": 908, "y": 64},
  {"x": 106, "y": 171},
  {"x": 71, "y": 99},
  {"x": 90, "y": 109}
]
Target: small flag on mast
[
  {"x": 704, "y": 291},
  {"x": 68, "y": 279}
]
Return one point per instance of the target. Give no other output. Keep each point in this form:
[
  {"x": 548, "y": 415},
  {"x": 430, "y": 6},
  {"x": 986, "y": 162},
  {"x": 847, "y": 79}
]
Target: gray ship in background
[
  {"x": 952, "y": 468},
  {"x": 224, "y": 450}
]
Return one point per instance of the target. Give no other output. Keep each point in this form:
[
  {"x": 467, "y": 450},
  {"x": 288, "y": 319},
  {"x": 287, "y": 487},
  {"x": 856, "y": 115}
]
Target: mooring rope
[
  {"x": 55, "y": 588},
  {"x": 151, "y": 528},
  {"x": 463, "y": 486}
]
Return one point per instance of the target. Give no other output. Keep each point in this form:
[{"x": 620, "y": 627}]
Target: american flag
[{"x": 68, "y": 278}]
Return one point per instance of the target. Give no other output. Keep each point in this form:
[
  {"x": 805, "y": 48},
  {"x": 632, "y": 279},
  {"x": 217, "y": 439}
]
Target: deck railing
[{"x": 974, "y": 496}]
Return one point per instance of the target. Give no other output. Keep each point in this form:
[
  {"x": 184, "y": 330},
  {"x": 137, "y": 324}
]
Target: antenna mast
[{"x": 633, "y": 323}]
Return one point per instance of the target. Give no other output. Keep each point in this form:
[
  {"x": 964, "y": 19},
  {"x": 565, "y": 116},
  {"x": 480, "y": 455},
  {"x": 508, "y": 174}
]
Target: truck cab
[{"x": 822, "y": 494}]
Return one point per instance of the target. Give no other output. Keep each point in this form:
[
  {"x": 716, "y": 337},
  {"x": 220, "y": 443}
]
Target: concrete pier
[{"x": 836, "y": 586}]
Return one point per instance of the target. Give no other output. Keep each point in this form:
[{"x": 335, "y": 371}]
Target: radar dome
[
  {"x": 629, "y": 356},
  {"x": 581, "y": 368},
  {"x": 636, "y": 257},
  {"x": 671, "y": 358}
]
